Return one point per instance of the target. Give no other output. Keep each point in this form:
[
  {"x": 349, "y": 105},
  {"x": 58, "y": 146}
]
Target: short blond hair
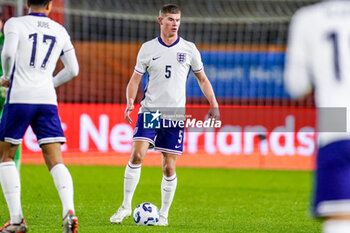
[{"x": 170, "y": 9}]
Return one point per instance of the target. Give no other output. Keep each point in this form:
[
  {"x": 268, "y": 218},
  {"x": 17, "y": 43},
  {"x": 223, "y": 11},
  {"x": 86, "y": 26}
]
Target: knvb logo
[{"x": 151, "y": 120}]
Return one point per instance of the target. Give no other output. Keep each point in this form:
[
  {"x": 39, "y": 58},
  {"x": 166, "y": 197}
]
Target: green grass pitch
[{"x": 206, "y": 200}]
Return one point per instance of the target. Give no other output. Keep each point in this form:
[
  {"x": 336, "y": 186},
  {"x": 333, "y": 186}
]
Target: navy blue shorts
[
  {"x": 43, "y": 118},
  {"x": 332, "y": 190},
  {"x": 169, "y": 140}
]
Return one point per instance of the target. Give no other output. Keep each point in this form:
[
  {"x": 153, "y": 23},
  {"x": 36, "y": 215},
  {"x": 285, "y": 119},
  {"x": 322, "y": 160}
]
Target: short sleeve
[
  {"x": 196, "y": 61},
  {"x": 141, "y": 62},
  {"x": 10, "y": 27}
]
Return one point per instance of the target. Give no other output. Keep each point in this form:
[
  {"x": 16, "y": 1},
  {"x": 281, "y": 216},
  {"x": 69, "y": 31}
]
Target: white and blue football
[{"x": 146, "y": 214}]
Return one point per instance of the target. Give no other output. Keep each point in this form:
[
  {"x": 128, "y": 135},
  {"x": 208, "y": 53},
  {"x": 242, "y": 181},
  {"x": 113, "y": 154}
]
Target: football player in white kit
[
  {"x": 318, "y": 57},
  {"x": 33, "y": 44},
  {"x": 168, "y": 60}
]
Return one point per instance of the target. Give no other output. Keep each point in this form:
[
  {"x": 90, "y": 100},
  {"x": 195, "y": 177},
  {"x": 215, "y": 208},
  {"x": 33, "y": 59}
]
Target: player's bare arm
[
  {"x": 207, "y": 90},
  {"x": 131, "y": 92}
]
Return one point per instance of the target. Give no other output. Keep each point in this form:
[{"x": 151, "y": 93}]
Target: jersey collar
[
  {"x": 162, "y": 43},
  {"x": 38, "y": 14}
]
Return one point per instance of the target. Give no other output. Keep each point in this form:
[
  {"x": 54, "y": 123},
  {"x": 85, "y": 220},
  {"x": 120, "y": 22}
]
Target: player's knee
[
  {"x": 136, "y": 157},
  {"x": 8, "y": 152},
  {"x": 168, "y": 170},
  {"x": 7, "y": 158},
  {"x": 51, "y": 164}
]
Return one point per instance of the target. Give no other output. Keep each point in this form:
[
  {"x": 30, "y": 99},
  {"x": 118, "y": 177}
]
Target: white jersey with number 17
[
  {"x": 168, "y": 67},
  {"x": 41, "y": 41}
]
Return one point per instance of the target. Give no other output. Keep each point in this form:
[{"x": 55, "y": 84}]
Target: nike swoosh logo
[
  {"x": 155, "y": 58},
  {"x": 177, "y": 147}
]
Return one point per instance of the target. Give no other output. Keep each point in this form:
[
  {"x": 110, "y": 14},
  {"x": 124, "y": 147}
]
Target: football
[{"x": 146, "y": 214}]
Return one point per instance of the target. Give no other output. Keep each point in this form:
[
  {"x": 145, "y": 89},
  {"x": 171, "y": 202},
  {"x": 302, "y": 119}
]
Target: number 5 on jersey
[
  {"x": 167, "y": 71},
  {"x": 46, "y": 38}
]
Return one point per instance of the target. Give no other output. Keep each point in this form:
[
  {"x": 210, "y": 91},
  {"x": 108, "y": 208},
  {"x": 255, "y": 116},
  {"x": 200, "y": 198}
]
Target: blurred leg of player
[
  {"x": 168, "y": 186},
  {"x": 336, "y": 226},
  {"x": 332, "y": 202},
  {"x": 131, "y": 179}
]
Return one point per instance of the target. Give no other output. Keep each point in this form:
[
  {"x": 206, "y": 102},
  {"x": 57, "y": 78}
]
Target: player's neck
[
  {"x": 168, "y": 40},
  {"x": 39, "y": 11}
]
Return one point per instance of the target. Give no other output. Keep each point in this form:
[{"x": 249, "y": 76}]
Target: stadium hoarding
[
  {"x": 254, "y": 137},
  {"x": 242, "y": 74}
]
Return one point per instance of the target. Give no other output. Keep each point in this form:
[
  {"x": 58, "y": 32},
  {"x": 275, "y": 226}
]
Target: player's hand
[
  {"x": 128, "y": 110},
  {"x": 5, "y": 83},
  {"x": 214, "y": 113},
  {"x": 3, "y": 91}
]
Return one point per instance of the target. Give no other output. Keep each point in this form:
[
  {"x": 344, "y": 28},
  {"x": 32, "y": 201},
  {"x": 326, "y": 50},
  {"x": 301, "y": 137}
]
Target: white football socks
[
  {"x": 131, "y": 179},
  {"x": 11, "y": 187},
  {"x": 168, "y": 188},
  {"x": 336, "y": 226},
  {"x": 64, "y": 184}
]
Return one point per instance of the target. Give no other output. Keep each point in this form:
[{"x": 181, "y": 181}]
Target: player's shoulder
[
  {"x": 13, "y": 24},
  {"x": 150, "y": 43},
  {"x": 12, "y": 21},
  {"x": 59, "y": 30},
  {"x": 149, "y": 46},
  {"x": 309, "y": 17},
  {"x": 187, "y": 44},
  {"x": 314, "y": 10},
  {"x": 57, "y": 26}
]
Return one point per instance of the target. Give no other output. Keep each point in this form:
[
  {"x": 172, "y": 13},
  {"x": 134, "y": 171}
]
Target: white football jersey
[
  {"x": 41, "y": 41},
  {"x": 318, "y": 56},
  {"x": 168, "y": 68}
]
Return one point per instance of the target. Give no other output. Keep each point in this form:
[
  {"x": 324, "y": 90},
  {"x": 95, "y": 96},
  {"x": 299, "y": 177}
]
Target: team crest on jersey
[{"x": 181, "y": 57}]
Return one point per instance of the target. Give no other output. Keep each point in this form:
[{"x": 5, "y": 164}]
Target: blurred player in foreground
[
  {"x": 33, "y": 44},
  {"x": 318, "y": 57},
  {"x": 3, "y": 94},
  {"x": 167, "y": 59}
]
